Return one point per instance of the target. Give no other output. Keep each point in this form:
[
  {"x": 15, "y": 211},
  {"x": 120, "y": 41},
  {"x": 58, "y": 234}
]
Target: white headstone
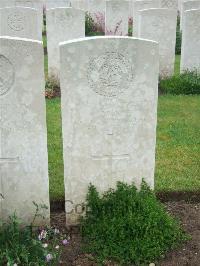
[
  {"x": 172, "y": 4},
  {"x": 188, "y": 5},
  {"x": 140, "y": 5},
  {"x": 109, "y": 91},
  {"x": 19, "y": 22},
  {"x": 190, "y": 53},
  {"x": 57, "y": 3},
  {"x": 37, "y": 4},
  {"x": 7, "y": 3},
  {"x": 159, "y": 24},
  {"x": 23, "y": 136},
  {"x": 80, "y": 4},
  {"x": 116, "y": 22},
  {"x": 62, "y": 24}
]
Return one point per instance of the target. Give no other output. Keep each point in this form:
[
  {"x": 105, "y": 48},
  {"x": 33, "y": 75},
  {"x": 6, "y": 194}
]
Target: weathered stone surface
[
  {"x": 19, "y": 22},
  {"x": 62, "y": 24},
  {"x": 37, "y": 4},
  {"x": 172, "y": 4},
  {"x": 190, "y": 53},
  {"x": 109, "y": 107},
  {"x": 57, "y": 3},
  {"x": 140, "y": 5},
  {"x": 117, "y": 17},
  {"x": 80, "y": 4},
  {"x": 23, "y": 137},
  {"x": 159, "y": 24},
  {"x": 188, "y": 5}
]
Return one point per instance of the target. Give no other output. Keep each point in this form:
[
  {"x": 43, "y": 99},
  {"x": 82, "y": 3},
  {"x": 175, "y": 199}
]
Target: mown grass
[
  {"x": 56, "y": 171},
  {"x": 178, "y": 145}
]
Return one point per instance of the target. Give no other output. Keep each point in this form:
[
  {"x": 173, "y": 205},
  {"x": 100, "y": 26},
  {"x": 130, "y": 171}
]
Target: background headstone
[
  {"x": 159, "y": 24},
  {"x": 37, "y": 4},
  {"x": 190, "y": 53},
  {"x": 140, "y": 5},
  {"x": 19, "y": 22},
  {"x": 57, "y": 3},
  {"x": 80, "y": 4},
  {"x": 172, "y": 4},
  {"x": 23, "y": 134},
  {"x": 109, "y": 92},
  {"x": 188, "y": 5},
  {"x": 117, "y": 15},
  {"x": 62, "y": 24}
]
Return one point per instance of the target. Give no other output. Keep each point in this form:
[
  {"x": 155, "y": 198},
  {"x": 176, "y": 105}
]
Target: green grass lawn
[{"x": 178, "y": 145}]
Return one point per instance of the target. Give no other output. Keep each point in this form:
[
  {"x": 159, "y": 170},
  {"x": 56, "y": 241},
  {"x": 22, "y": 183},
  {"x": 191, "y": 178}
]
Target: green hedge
[{"x": 186, "y": 83}]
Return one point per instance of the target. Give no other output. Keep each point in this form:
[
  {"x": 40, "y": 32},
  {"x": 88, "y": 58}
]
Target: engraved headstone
[
  {"x": 23, "y": 137},
  {"x": 109, "y": 89},
  {"x": 116, "y": 22},
  {"x": 190, "y": 53},
  {"x": 62, "y": 24},
  {"x": 37, "y": 4},
  {"x": 140, "y": 5},
  {"x": 19, "y": 22},
  {"x": 159, "y": 24},
  {"x": 188, "y": 5}
]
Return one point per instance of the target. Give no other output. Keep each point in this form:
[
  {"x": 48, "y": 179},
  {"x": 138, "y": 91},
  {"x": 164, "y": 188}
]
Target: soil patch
[{"x": 188, "y": 254}]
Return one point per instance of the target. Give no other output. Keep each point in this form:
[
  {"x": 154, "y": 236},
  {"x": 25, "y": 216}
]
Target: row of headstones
[
  {"x": 68, "y": 23},
  {"x": 109, "y": 109},
  {"x": 154, "y": 24}
]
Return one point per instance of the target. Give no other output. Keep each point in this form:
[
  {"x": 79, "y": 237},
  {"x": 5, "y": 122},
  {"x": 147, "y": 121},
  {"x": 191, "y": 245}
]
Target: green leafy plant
[
  {"x": 185, "y": 83},
  {"x": 89, "y": 24},
  {"x": 94, "y": 27},
  {"x": 128, "y": 226},
  {"x": 26, "y": 245}
]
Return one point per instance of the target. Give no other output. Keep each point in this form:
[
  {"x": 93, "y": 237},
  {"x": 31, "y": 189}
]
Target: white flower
[
  {"x": 42, "y": 235},
  {"x": 56, "y": 231},
  {"x": 45, "y": 245},
  {"x": 57, "y": 247},
  {"x": 49, "y": 257}
]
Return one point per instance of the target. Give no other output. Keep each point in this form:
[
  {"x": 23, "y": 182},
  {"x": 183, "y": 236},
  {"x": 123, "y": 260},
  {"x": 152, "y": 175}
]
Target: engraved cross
[{"x": 110, "y": 156}]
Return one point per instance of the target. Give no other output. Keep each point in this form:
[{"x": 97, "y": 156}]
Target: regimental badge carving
[
  {"x": 7, "y": 75},
  {"x": 110, "y": 74},
  {"x": 16, "y": 21}
]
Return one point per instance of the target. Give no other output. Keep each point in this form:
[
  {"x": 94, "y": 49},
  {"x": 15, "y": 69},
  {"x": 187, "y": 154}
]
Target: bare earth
[{"x": 188, "y": 254}]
